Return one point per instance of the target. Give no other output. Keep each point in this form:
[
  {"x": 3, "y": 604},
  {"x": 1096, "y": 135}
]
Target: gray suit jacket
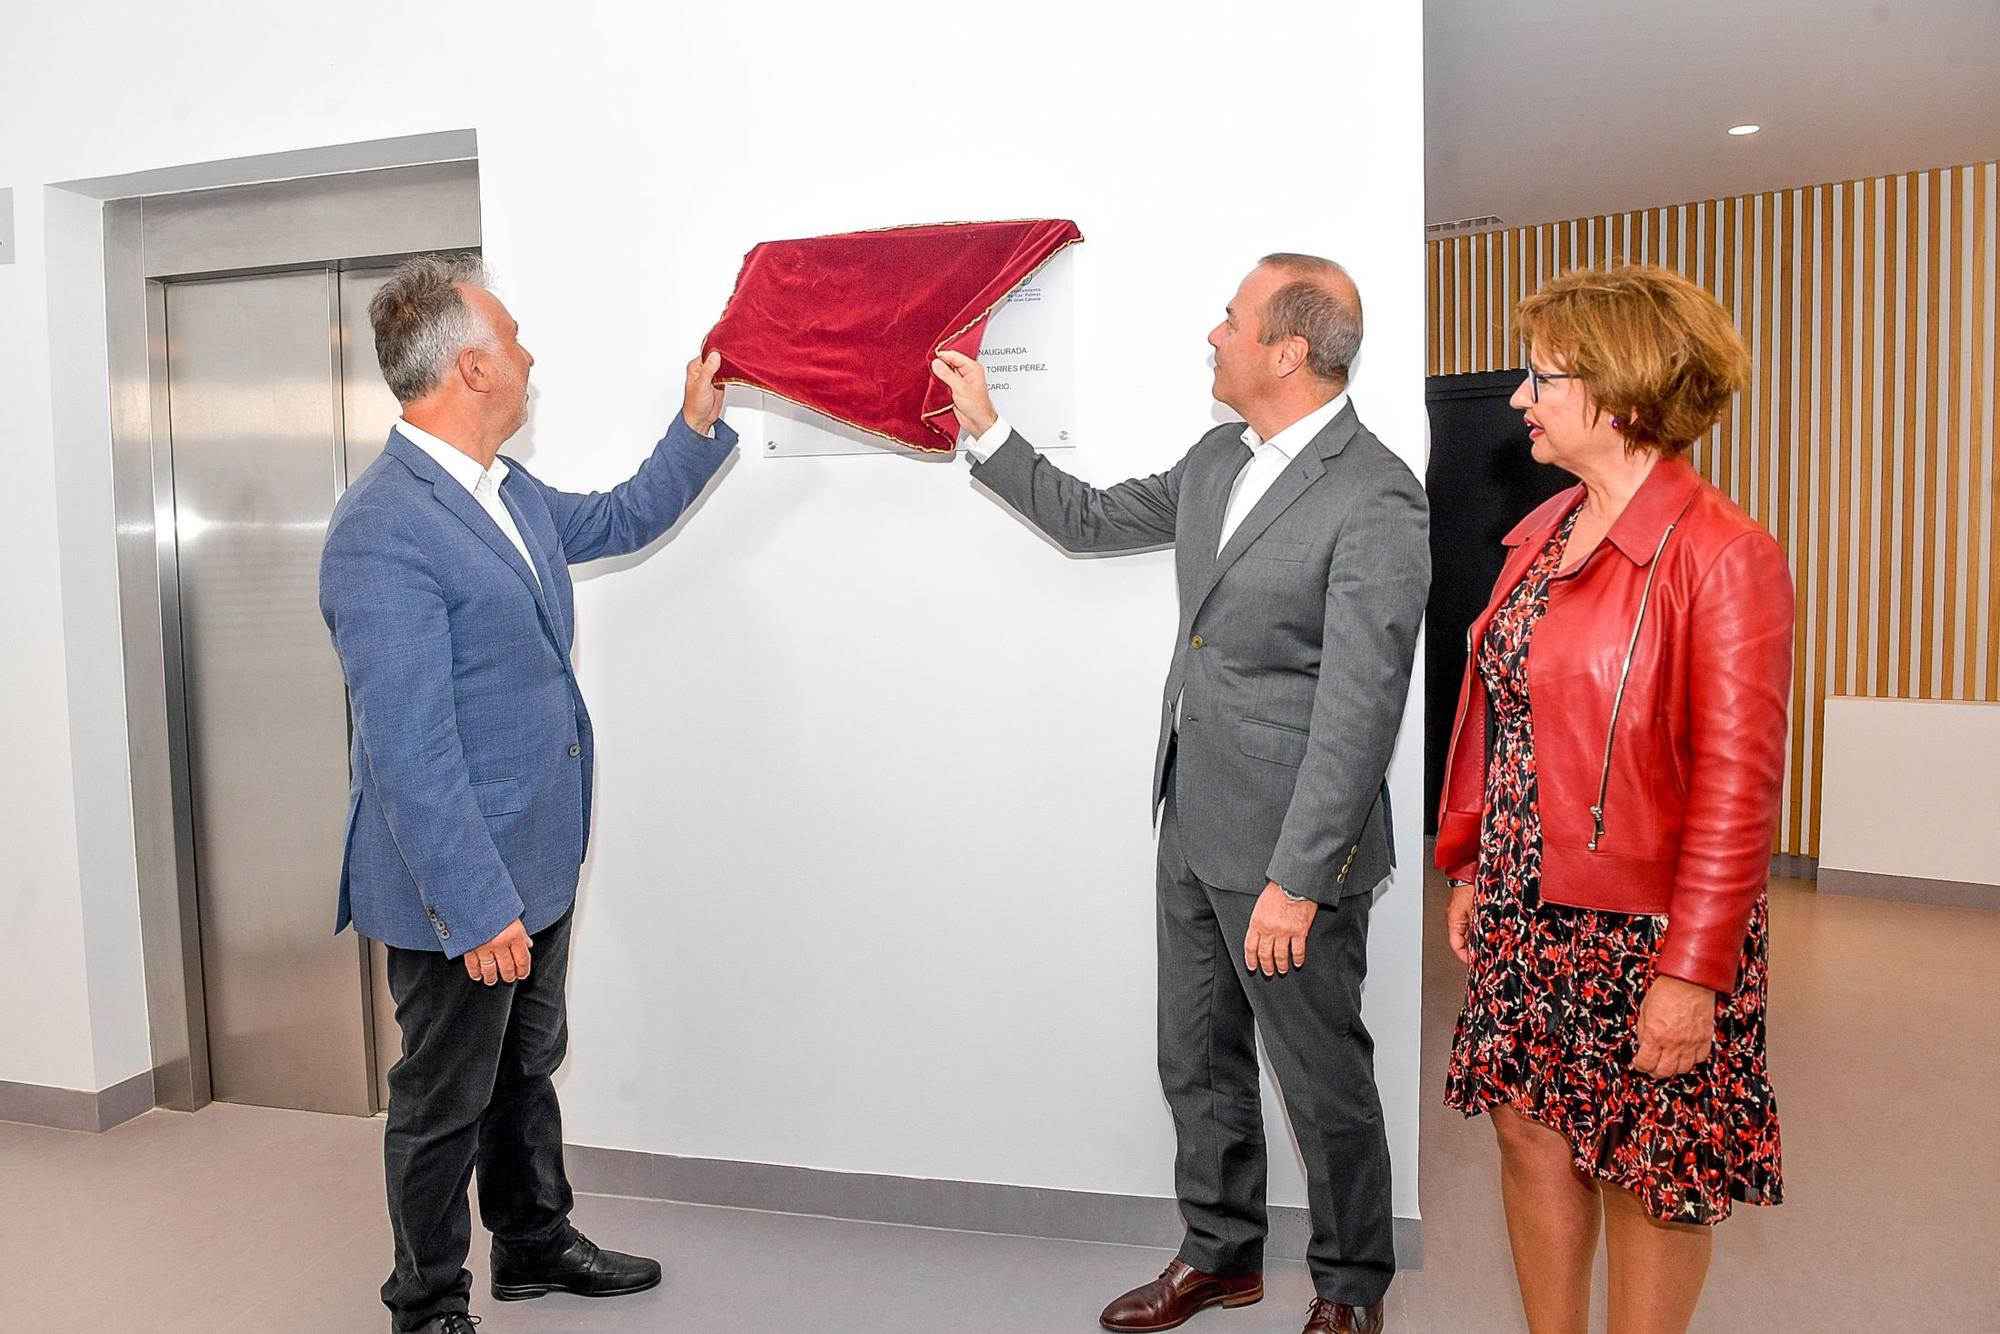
[{"x": 1293, "y": 656}]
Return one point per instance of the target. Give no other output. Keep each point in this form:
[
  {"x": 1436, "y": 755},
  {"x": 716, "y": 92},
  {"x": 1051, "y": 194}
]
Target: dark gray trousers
[
  {"x": 1211, "y": 1010},
  {"x": 474, "y": 1086}
]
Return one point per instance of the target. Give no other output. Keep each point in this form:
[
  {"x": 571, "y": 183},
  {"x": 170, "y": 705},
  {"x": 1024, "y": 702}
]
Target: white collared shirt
[
  {"x": 1268, "y": 459},
  {"x": 482, "y": 483}
]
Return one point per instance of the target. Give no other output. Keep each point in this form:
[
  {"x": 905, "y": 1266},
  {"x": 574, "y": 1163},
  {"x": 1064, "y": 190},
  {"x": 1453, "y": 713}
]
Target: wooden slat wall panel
[{"x": 1866, "y": 439}]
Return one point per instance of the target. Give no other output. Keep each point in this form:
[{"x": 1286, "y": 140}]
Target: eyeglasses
[{"x": 1536, "y": 379}]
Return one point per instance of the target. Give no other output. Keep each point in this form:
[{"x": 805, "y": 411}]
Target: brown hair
[
  {"x": 1652, "y": 349},
  {"x": 1322, "y": 306}
]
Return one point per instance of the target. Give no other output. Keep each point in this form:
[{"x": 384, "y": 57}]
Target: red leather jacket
[{"x": 1659, "y": 679}]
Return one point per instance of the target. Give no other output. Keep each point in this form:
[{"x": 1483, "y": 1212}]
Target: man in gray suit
[{"x": 1302, "y": 556}]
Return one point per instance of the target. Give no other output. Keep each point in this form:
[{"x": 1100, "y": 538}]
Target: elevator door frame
[{"x": 352, "y": 220}]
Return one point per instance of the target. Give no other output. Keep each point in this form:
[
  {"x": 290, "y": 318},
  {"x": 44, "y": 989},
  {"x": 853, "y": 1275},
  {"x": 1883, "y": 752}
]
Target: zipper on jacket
[{"x": 1618, "y": 700}]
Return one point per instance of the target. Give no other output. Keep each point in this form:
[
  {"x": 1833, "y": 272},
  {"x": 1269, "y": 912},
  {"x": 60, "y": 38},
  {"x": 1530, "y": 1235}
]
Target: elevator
[{"x": 266, "y": 404}]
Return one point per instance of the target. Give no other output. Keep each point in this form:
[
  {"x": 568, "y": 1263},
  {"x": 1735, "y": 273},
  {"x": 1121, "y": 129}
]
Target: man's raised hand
[
  {"x": 966, "y": 379},
  {"x": 702, "y": 403}
]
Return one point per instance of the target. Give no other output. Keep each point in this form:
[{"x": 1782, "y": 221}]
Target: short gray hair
[
  {"x": 422, "y": 322},
  {"x": 1321, "y": 305}
]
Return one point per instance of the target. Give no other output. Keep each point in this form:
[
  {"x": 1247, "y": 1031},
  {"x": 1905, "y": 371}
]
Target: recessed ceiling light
[{"x": 1744, "y": 129}]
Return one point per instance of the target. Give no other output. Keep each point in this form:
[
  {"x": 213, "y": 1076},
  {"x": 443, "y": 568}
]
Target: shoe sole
[
  {"x": 523, "y": 1292},
  {"x": 1226, "y": 1303}
]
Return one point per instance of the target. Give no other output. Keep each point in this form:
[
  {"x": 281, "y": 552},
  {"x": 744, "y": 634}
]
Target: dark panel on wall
[{"x": 1482, "y": 480}]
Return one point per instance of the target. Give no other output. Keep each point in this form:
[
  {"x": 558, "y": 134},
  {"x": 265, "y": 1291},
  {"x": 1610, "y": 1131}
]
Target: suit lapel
[
  {"x": 1205, "y": 532},
  {"x": 1298, "y": 478},
  {"x": 1307, "y": 468},
  {"x": 528, "y": 538},
  {"x": 460, "y": 502},
  {"x": 1293, "y": 482},
  {"x": 1214, "y": 507}
]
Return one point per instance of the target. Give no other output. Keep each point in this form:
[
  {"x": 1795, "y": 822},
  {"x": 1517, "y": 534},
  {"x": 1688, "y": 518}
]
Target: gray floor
[{"x": 1885, "y": 1040}]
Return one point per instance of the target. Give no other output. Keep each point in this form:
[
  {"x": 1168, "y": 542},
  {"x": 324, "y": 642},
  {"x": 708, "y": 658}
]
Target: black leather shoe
[
  {"x": 580, "y": 1267},
  {"x": 451, "y": 1322}
]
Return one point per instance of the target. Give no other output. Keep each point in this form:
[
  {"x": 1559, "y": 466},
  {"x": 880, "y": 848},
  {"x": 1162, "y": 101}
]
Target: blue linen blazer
[{"x": 472, "y": 751}]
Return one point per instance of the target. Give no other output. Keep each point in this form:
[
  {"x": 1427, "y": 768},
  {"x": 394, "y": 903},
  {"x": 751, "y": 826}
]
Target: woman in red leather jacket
[{"x": 1610, "y": 798}]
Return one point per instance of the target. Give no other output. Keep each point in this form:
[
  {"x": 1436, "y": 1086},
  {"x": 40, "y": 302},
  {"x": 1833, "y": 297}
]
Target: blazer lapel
[
  {"x": 460, "y": 502},
  {"x": 1293, "y": 482},
  {"x": 549, "y": 606},
  {"x": 1206, "y": 531}
]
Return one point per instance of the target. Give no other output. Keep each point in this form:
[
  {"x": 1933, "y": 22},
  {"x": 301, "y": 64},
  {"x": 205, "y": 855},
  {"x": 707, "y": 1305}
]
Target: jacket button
[
  {"x": 1196, "y": 642},
  {"x": 575, "y": 750}
]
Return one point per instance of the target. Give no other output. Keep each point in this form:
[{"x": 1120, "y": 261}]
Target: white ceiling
[{"x": 1540, "y": 110}]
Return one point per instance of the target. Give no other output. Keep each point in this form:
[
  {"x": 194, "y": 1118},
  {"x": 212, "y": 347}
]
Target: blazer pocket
[
  {"x": 498, "y": 796},
  {"x": 1271, "y": 741},
  {"x": 1280, "y": 550}
]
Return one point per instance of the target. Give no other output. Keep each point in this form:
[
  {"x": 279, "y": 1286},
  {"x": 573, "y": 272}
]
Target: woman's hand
[
  {"x": 1458, "y": 922},
  {"x": 1676, "y": 1027}
]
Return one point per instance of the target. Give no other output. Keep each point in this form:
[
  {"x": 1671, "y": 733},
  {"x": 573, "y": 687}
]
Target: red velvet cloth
[{"x": 847, "y": 325}]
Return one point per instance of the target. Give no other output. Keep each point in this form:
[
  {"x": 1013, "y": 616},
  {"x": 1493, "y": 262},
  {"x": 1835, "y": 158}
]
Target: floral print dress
[{"x": 1552, "y": 998}]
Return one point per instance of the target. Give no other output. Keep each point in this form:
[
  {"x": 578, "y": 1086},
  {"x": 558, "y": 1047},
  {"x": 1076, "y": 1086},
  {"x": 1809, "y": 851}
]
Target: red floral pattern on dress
[{"x": 1552, "y": 997}]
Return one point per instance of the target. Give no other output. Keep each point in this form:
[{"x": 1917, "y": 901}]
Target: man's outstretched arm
[
  {"x": 1130, "y": 516},
  {"x": 633, "y": 513}
]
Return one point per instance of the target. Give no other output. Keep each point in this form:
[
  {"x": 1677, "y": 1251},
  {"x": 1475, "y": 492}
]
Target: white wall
[
  {"x": 871, "y": 885},
  {"x": 100, "y": 777},
  {"x": 43, "y": 990},
  {"x": 1910, "y": 789}
]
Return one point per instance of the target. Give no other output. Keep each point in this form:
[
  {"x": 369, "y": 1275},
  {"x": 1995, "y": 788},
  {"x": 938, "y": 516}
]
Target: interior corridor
[{"x": 241, "y": 1218}]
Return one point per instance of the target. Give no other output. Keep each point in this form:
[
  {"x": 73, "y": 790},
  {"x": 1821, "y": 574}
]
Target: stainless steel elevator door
[
  {"x": 367, "y": 406},
  {"x": 368, "y": 410},
  {"x": 256, "y": 399}
]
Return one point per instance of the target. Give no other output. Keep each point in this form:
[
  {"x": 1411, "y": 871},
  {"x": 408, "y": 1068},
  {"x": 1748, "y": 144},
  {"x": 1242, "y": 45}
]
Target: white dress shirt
[
  {"x": 1269, "y": 458},
  {"x": 482, "y": 483}
]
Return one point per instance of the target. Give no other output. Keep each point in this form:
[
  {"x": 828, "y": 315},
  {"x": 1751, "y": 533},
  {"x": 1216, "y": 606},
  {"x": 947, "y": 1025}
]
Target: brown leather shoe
[
  {"x": 1179, "y": 1292},
  {"x": 1327, "y": 1317}
]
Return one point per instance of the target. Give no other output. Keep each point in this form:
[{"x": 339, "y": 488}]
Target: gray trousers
[{"x": 1211, "y": 1010}]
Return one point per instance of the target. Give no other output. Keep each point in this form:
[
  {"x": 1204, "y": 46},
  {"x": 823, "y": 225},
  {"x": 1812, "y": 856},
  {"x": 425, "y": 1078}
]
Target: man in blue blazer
[{"x": 446, "y": 584}]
